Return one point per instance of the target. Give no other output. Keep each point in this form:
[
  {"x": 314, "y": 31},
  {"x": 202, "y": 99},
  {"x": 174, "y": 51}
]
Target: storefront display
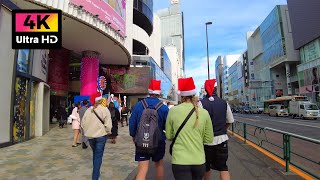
[{"x": 20, "y": 106}]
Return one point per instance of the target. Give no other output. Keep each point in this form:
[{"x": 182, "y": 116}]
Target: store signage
[
  {"x": 102, "y": 83},
  {"x": 36, "y": 29},
  {"x": 112, "y": 13}
]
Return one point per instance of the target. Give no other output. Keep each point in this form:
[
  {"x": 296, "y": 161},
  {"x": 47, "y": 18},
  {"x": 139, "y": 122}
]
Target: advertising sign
[
  {"x": 112, "y": 12},
  {"x": 40, "y": 64},
  {"x": 127, "y": 80},
  {"x": 309, "y": 82}
]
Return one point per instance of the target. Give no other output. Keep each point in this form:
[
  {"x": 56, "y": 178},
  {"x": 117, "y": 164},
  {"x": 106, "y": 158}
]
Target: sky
[{"x": 231, "y": 19}]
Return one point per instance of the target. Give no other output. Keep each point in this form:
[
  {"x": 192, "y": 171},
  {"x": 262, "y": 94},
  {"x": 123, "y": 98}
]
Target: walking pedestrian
[
  {"x": 82, "y": 110},
  {"x": 150, "y": 142},
  {"x": 76, "y": 125},
  {"x": 115, "y": 116},
  {"x": 221, "y": 117},
  {"x": 189, "y": 128},
  {"x": 97, "y": 124}
]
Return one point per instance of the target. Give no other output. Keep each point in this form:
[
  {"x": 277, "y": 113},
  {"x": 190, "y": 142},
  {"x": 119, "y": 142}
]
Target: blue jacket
[{"x": 137, "y": 112}]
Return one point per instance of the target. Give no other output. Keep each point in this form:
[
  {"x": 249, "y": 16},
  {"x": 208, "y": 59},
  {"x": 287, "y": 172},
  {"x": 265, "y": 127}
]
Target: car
[
  {"x": 257, "y": 109},
  {"x": 245, "y": 110}
]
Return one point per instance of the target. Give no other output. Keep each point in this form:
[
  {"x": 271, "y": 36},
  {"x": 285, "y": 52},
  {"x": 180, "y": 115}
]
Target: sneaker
[{"x": 84, "y": 146}]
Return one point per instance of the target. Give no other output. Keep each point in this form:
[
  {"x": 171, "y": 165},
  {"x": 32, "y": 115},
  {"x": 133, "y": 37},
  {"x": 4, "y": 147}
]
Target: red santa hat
[
  {"x": 209, "y": 86},
  {"x": 95, "y": 97},
  {"x": 154, "y": 87},
  {"x": 186, "y": 87}
]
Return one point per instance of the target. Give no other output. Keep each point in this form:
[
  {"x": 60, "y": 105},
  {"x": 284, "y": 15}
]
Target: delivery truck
[{"x": 304, "y": 110}]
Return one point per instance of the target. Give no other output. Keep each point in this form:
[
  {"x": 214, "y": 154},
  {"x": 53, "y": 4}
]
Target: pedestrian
[
  {"x": 115, "y": 116},
  {"x": 189, "y": 128},
  {"x": 82, "y": 110},
  {"x": 97, "y": 124},
  {"x": 61, "y": 116},
  {"x": 124, "y": 115},
  {"x": 76, "y": 125},
  {"x": 221, "y": 117},
  {"x": 150, "y": 142}
]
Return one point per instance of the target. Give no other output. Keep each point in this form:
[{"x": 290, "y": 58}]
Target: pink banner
[{"x": 114, "y": 13}]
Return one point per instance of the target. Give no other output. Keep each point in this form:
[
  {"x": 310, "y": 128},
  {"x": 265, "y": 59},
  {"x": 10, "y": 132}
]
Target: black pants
[
  {"x": 124, "y": 117},
  {"x": 188, "y": 172}
]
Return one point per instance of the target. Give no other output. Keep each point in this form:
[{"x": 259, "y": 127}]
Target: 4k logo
[{"x": 36, "y": 29}]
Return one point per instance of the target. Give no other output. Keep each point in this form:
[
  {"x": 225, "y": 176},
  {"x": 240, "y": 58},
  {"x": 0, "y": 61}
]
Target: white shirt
[{"x": 229, "y": 119}]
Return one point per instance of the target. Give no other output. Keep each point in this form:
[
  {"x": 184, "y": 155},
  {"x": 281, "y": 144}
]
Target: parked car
[
  {"x": 257, "y": 109},
  {"x": 235, "y": 109},
  {"x": 246, "y": 110}
]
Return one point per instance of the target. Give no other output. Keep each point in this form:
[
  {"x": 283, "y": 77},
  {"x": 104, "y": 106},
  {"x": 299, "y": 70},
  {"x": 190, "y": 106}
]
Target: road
[
  {"x": 307, "y": 128},
  {"x": 303, "y": 153}
]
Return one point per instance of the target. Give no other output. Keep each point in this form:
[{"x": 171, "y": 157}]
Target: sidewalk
[{"x": 52, "y": 157}]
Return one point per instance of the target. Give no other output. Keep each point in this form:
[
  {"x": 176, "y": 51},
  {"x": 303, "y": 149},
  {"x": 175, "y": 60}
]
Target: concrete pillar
[
  {"x": 288, "y": 79},
  {"x": 89, "y": 72}
]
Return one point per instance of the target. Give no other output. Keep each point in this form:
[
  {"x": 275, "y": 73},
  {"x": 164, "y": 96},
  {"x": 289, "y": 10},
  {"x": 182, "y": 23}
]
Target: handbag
[{"x": 180, "y": 128}]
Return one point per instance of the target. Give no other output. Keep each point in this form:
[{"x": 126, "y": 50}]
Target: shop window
[
  {"x": 23, "y": 60},
  {"x": 20, "y": 106}
]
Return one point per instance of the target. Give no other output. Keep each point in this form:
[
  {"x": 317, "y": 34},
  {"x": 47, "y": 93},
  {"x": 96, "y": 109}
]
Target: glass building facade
[
  {"x": 157, "y": 73},
  {"x": 166, "y": 64},
  {"x": 272, "y": 36},
  {"x": 309, "y": 71}
]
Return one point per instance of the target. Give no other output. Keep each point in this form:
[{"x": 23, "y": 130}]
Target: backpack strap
[
  {"x": 145, "y": 104},
  {"x": 158, "y": 106}
]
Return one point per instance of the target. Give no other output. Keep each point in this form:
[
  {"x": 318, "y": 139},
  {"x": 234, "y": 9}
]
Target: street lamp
[{"x": 208, "y": 23}]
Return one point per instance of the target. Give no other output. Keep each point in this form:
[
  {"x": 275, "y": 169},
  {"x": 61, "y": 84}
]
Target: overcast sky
[{"x": 227, "y": 35}]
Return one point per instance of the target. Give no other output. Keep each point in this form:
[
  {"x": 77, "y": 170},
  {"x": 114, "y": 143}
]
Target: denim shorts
[
  {"x": 217, "y": 156},
  {"x": 157, "y": 156}
]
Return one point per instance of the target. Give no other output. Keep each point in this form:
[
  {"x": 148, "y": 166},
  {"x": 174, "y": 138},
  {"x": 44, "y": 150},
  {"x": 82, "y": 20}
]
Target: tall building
[
  {"x": 305, "y": 18},
  {"x": 270, "y": 48},
  {"x": 144, "y": 43},
  {"x": 219, "y": 73},
  {"x": 228, "y": 61},
  {"x": 172, "y": 30}
]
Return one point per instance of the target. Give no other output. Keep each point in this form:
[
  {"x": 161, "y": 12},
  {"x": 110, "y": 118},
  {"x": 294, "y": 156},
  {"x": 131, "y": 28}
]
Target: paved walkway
[{"x": 52, "y": 157}]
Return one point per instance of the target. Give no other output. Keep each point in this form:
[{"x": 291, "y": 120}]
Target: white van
[
  {"x": 278, "y": 110},
  {"x": 256, "y": 109},
  {"x": 304, "y": 110}
]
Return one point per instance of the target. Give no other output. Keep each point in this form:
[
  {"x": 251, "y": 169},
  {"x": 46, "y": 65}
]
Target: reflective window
[{"x": 23, "y": 60}]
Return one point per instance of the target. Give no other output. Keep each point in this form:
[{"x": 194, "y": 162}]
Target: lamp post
[{"x": 208, "y": 23}]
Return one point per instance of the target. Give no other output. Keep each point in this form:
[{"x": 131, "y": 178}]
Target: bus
[{"x": 284, "y": 100}]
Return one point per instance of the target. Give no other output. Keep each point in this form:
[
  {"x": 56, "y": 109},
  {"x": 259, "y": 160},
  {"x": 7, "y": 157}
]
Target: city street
[
  {"x": 302, "y": 152},
  {"x": 307, "y": 128}
]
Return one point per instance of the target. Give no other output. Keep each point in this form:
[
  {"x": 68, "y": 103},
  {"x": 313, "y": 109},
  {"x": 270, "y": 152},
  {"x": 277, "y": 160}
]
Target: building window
[{"x": 23, "y": 61}]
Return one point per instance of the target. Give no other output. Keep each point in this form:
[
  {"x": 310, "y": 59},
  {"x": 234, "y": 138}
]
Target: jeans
[
  {"x": 97, "y": 146},
  {"x": 188, "y": 172}
]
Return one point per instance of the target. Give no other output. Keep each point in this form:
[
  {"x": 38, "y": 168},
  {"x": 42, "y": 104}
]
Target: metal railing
[{"x": 299, "y": 151}]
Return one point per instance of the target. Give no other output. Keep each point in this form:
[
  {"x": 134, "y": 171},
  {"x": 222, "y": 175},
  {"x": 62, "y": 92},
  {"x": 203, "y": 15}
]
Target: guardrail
[{"x": 299, "y": 151}]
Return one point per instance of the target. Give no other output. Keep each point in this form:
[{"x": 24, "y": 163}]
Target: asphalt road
[
  {"x": 307, "y": 128},
  {"x": 303, "y": 153}
]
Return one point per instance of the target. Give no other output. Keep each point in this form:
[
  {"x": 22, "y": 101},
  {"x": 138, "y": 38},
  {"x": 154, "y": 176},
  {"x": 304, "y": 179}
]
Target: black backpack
[{"x": 148, "y": 133}]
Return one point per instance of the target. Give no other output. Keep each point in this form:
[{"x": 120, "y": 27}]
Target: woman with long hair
[
  {"x": 76, "y": 125},
  {"x": 97, "y": 124},
  {"x": 188, "y": 157}
]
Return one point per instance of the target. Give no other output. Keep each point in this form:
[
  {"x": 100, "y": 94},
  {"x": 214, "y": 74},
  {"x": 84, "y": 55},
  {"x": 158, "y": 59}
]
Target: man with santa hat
[
  {"x": 221, "y": 117},
  {"x": 152, "y": 102}
]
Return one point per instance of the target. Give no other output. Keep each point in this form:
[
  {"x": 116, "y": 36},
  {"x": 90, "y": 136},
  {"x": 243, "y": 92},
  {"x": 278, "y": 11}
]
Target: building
[
  {"x": 40, "y": 81},
  {"x": 172, "y": 31},
  {"x": 228, "y": 61},
  {"x": 270, "y": 48},
  {"x": 304, "y": 18},
  {"x": 236, "y": 83},
  {"x": 219, "y": 73}
]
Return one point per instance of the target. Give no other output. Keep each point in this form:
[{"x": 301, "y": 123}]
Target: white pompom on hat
[
  {"x": 186, "y": 87},
  {"x": 154, "y": 87}
]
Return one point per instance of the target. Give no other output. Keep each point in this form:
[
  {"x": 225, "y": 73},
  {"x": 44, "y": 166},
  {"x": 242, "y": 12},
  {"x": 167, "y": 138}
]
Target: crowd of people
[{"x": 197, "y": 131}]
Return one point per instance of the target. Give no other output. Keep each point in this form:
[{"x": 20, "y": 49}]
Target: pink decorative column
[{"x": 89, "y": 72}]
